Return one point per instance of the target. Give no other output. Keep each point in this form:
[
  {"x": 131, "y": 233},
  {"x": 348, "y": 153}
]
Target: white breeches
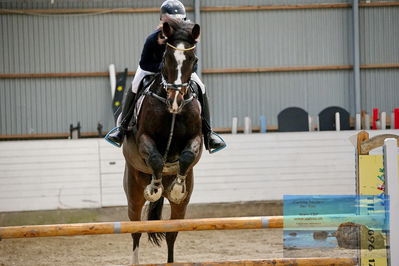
[{"x": 138, "y": 77}]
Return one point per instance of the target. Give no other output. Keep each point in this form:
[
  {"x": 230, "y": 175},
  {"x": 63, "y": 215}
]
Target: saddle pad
[
  {"x": 142, "y": 92},
  {"x": 137, "y": 107}
]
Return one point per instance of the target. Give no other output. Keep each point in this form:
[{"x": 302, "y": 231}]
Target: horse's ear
[
  {"x": 167, "y": 29},
  {"x": 196, "y": 31}
]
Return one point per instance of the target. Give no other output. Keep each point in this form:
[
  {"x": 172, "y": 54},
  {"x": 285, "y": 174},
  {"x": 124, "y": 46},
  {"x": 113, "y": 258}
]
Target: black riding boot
[
  {"x": 213, "y": 142},
  {"x": 116, "y": 135}
]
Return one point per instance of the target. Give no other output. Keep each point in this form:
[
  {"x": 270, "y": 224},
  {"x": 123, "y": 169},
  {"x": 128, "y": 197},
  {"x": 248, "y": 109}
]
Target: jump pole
[
  {"x": 231, "y": 223},
  {"x": 274, "y": 262},
  {"x": 141, "y": 227}
]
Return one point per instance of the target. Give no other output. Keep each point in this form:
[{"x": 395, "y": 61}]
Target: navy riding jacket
[{"x": 151, "y": 56}]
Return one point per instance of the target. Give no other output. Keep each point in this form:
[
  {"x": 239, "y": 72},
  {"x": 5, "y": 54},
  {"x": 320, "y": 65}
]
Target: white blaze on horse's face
[{"x": 179, "y": 57}]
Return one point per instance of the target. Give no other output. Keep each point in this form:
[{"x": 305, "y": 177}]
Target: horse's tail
[{"x": 155, "y": 213}]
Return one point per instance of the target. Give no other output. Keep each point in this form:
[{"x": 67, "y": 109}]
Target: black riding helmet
[{"x": 173, "y": 8}]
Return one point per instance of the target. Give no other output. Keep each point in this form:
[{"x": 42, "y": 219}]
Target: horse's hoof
[
  {"x": 152, "y": 193},
  {"x": 177, "y": 192}
]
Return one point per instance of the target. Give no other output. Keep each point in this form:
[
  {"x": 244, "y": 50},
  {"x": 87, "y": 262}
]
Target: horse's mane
[{"x": 182, "y": 28}]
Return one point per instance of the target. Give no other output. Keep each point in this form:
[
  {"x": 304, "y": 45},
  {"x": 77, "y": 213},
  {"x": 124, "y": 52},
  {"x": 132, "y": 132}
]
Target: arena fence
[{"x": 390, "y": 160}]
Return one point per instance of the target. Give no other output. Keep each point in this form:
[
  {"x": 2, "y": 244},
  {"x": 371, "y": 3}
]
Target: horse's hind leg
[
  {"x": 178, "y": 211},
  {"x": 135, "y": 199},
  {"x": 135, "y": 215}
]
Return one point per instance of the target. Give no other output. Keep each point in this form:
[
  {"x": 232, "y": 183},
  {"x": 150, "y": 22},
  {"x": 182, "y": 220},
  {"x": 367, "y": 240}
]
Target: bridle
[{"x": 175, "y": 87}]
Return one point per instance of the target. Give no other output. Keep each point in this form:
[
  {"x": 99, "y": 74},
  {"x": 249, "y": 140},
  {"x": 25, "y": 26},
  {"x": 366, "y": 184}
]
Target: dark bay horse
[{"x": 168, "y": 142}]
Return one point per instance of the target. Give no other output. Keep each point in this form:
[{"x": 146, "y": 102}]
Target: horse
[{"x": 168, "y": 140}]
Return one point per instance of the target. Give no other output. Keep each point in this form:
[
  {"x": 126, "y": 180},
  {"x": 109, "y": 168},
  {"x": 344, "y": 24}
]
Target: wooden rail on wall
[
  {"x": 47, "y": 136},
  {"x": 206, "y": 71},
  {"x": 190, "y": 9},
  {"x": 295, "y": 7},
  {"x": 80, "y": 11},
  {"x": 295, "y": 68},
  {"x": 274, "y": 69},
  {"x": 56, "y": 75}
]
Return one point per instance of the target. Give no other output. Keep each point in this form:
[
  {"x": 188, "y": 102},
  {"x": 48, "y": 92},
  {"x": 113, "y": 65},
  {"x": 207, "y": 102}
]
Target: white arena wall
[{"x": 88, "y": 173}]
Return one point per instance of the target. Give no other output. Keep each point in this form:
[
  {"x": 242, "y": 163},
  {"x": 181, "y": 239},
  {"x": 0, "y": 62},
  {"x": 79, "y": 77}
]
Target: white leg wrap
[
  {"x": 153, "y": 191},
  {"x": 177, "y": 190},
  {"x": 135, "y": 258}
]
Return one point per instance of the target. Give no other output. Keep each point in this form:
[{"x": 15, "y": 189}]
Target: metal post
[
  {"x": 337, "y": 122},
  {"x": 356, "y": 55},
  {"x": 234, "y": 127},
  {"x": 383, "y": 121},
  {"x": 392, "y": 189},
  {"x": 367, "y": 122},
  {"x": 247, "y": 125},
  {"x": 358, "y": 125},
  {"x": 197, "y": 14}
]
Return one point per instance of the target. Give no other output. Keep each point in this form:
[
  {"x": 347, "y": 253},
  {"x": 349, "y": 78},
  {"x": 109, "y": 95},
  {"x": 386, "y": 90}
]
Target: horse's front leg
[
  {"x": 154, "y": 160},
  {"x": 177, "y": 191}
]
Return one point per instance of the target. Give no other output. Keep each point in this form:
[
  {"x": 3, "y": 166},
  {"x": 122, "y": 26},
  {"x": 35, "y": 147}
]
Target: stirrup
[
  {"x": 220, "y": 148},
  {"x": 116, "y": 144}
]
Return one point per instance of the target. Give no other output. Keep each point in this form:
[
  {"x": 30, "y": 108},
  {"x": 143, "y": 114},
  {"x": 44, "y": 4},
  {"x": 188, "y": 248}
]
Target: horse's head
[{"x": 178, "y": 61}]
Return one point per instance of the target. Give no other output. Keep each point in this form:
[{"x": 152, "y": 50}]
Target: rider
[{"x": 151, "y": 58}]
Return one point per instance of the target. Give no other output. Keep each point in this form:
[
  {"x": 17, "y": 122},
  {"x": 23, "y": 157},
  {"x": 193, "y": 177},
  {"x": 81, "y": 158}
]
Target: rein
[{"x": 172, "y": 127}]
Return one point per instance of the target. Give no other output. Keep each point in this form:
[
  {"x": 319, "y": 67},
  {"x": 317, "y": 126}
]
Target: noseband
[{"x": 175, "y": 87}]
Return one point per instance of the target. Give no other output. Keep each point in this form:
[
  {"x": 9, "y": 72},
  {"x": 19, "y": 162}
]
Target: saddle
[{"x": 136, "y": 105}]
